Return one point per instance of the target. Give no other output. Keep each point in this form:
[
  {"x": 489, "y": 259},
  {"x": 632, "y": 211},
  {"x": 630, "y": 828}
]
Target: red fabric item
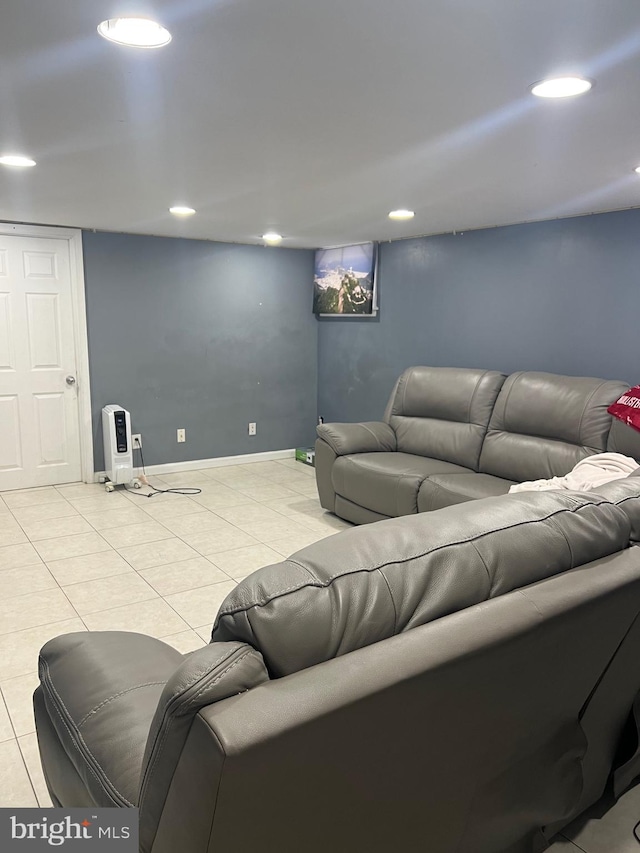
[{"x": 627, "y": 408}]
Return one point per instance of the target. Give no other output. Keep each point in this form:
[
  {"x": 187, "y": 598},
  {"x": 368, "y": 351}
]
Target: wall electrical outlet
[
  {"x": 252, "y": 429},
  {"x": 136, "y": 438},
  {"x": 182, "y": 435}
]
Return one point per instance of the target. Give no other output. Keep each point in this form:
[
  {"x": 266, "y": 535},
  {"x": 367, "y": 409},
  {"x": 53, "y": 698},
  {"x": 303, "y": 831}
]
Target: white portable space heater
[{"x": 118, "y": 450}]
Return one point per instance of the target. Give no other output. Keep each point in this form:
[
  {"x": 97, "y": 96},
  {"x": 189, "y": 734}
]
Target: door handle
[{"x": 70, "y": 380}]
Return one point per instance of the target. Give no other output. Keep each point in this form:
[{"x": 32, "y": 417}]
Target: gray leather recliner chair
[{"x": 460, "y": 680}]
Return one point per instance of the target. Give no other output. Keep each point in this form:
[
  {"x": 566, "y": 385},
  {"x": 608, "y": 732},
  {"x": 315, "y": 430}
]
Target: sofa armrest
[
  {"x": 366, "y": 437},
  {"x": 99, "y": 691},
  {"x": 215, "y": 672}
]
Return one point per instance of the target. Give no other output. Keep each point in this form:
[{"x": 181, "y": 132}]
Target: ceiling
[{"x": 315, "y": 119}]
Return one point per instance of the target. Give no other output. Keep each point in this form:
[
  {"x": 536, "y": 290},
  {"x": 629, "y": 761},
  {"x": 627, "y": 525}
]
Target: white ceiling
[{"x": 317, "y": 118}]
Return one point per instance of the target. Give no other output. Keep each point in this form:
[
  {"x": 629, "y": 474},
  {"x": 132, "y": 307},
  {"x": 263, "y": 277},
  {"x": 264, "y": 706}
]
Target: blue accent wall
[
  {"x": 203, "y": 336},
  {"x": 561, "y": 296}
]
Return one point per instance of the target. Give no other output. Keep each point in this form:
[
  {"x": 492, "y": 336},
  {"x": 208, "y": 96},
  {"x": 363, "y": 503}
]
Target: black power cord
[{"x": 154, "y": 491}]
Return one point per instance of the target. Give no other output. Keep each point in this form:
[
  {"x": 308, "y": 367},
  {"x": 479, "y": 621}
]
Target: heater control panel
[{"x": 120, "y": 419}]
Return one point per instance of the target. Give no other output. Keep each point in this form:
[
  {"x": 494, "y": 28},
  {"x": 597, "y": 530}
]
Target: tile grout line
[
  {"x": 17, "y": 743},
  {"x": 168, "y": 603},
  {"x": 6, "y": 708},
  {"x": 303, "y": 524},
  {"x": 230, "y": 492},
  {"x": 26, "y": 766},
  {"x": 104, "y": 610},
  {"x": 77, "y": 616},
  {"x": 177, "y": 563}
]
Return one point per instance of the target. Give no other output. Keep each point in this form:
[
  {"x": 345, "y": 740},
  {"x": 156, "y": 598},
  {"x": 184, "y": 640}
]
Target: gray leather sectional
[
  {"x": 450, "y": 435},
  {"x": 459, "y": 681}
]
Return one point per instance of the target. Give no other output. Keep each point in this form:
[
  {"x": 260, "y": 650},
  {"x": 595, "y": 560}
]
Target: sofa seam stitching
[
  {"x": 404, "y": 388},
  {"x": 305, "y": 568},
  {"x": 224, "y": 761},
  {"x": 172, "y": 718},
  {"x": 541, "y": 438},
  {"x": 445, "y": 489},
  {"x": 517, "y": 378},
  {"x": 473, "y": 396},
  {"x": 218, "y": 677},
  {"x": 557, "y": 527},
  {"x": 485, "y": 427},
  {"x": 193, "y": 681},
  {"x": 329, "y": 580},
  {"x": 397, "y": 496},
  {"x": 484, "y": 563},
  {"x": 116, "y": 696},
  {"x": 105, "y": 783},
  {"x": 381, "y": 515},
  {"x": 623, "y": 500},
  {"x": 605, "y": 671},
  {"x": 584, "y": 409},
  {"x": 526, "y": 596},
  {"x": 368, "y": 429},
  {"x": 393, "y": 603}
]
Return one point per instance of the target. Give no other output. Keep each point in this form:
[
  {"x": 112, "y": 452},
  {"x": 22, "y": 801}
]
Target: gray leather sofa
[
  {"x": 461, "y": 680},
  {"x": 450, "y": 435}
]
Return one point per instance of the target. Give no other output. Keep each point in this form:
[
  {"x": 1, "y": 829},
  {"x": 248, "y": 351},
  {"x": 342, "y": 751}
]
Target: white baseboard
[{"x": 216, "y": 462}]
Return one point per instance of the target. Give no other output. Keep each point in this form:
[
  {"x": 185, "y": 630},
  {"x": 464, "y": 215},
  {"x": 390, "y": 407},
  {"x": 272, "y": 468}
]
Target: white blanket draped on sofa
[{"x": 588, "y": 474}]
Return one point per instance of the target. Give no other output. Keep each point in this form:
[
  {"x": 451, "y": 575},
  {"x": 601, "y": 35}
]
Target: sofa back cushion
[
  {"x": 543, "y": 424},
  {"x": 443, "y": 412},
  {"x": 370, "y": 583}
]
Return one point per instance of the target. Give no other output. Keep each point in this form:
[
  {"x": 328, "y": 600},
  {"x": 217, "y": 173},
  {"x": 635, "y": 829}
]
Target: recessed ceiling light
[
  {"x": 401, "y": 214},
  {"x": 17, "y": 160},
  {"x": 181, "y": 210},
  {"x": 561, "y": 87},
  {"x": 135, "y": 32},
  {"x": 272, "y": 237},
  {"x": 637, "y": 169}
]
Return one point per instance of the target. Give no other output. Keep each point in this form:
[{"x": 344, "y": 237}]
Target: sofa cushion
[
  {"x": 440, "y": 490},
  {"x": 369, "y": 583},
  {"x": 386, "y": 483},
  {"x": 443, "y": 412},
  {"x": 543, "y": 424}
]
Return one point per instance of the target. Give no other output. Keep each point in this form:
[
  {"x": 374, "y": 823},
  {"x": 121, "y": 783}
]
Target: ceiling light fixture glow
[
  {"x": 18, "y": 161},
  {"x": 135, "y": 32},
  {"x": 272, "y": 238},
  {"x": 637, "y": 169},
  {"x": 401, "y": 214},
  {"x": 181, "y": 210},
  {"x": 561, "y": 87}
]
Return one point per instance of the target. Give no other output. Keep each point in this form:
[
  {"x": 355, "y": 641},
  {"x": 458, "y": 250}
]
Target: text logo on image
[{"x": 70, "y": 829}]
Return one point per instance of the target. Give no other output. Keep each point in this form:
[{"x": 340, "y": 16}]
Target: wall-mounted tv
[{"x": 345, "y": 281}]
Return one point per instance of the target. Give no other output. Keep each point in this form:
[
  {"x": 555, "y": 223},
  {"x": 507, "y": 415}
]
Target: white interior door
[{"x": 39, "y": 421}]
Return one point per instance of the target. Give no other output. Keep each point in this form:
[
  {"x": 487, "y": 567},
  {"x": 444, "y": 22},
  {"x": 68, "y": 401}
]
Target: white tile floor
[{"x": 74, "y": 558}]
